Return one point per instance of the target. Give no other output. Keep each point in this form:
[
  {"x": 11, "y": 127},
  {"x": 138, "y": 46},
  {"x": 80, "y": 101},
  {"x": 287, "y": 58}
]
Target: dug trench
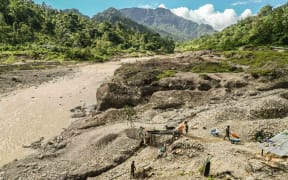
[{"x": 159, "y": 93}]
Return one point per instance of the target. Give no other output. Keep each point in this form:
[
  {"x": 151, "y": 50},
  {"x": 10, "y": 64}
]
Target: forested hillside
[
  {"x": 167, "y": 24},
  {"x": 149, "y": 40},
  {"x": 113, "y": 16},
  {"x": 40, "y": 29},
  {"x": 269, "y": 27}
]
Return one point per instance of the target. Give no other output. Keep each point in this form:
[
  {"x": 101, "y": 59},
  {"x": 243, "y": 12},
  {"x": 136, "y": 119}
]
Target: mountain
[
  {"x": 114, "y": 16},
  {"x": 166, "y": 23},
  {"x": 269, "y": 27}
]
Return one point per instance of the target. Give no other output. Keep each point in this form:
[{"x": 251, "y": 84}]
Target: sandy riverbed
[{"x": 42, "y": 111}]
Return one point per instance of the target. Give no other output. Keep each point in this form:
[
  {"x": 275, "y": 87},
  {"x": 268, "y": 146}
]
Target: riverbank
[{"x": 39, "y": 107}]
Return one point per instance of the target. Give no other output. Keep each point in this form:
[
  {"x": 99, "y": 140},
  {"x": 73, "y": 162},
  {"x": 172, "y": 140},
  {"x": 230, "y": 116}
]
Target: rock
[
  {"x": 168, "y": 158},
  {"x": 59, "y": 139},
  {"x": 112, "y": 115},
  {"x": 171, "y": 125},
  {"x": 180, "y": 145},
  {"x": 191, "y": 155},
  {"x": 64, "y": 173},
  {"x": 60, "y": 146},
  {"x": 78, "y": 114},
  {"x": 34, "y": 145},
  {"x": 204, "y": 86},
  {"x": 40, "y": 156},
  {"x": 235, "y": 83},
  {"x": 284, "y": 95},
  {"x": 113, "y": 95},
  {"x": 143, "y": 173},
  {"x": 2, "y": 176},
  {"x": 250, "y": 178},
  {"x": 77, "y": 108},
  {"x": 176, "y": 83},
  {"x": 166, "y": 99},
  {"x": 253, "y": 93},
  {"x": 158, "y": 119},
  {"x": 16, "y": 79},
  {"x": 177, "y": 98},
  {"x": 119, "y": 159}
]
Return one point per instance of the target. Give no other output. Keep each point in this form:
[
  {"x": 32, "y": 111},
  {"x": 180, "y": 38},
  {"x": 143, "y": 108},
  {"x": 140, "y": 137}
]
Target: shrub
[
  {"x": 10, "y": 59},
  {"x": 79, "y": 54},
  {"x": 166, "y": 73}
]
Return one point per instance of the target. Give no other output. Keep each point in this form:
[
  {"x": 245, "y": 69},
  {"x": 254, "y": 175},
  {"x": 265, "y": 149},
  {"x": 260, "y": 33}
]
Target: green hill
[
  {"x": 43, "y": 31},
  {"x": 269, "y": 27},
  {"x": 166, "y": 23}
]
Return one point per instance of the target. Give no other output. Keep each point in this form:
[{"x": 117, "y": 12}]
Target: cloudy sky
[{"x": 217, "y": 13}]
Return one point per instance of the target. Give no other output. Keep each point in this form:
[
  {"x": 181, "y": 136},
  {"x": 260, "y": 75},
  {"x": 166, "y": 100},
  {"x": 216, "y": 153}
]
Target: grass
[
  {"x": 166, "y": 73},
  {"x": 215, "y": 67},
  {"x": 258, "y": 58},
  {"x": 260, "y": 63},
  {"x": 10, "y": 59}
]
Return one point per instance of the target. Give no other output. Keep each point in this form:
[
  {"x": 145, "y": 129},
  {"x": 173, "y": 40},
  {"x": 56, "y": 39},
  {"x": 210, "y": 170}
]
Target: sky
[{"x": 217, "y": 13}]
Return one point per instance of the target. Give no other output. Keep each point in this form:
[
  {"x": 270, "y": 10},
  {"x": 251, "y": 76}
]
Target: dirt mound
[
  {"x": 186, "y": 147},
  {"x": 271, "y": 109}
]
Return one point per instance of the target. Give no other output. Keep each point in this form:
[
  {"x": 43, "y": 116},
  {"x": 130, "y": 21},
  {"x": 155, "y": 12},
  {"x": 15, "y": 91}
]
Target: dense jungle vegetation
[
  {"x": 269, "y": 27},
  {"x": 39, "y": 31}
]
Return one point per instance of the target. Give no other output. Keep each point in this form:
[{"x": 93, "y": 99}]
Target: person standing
[
  {"x": 227, "y": 133},
  {"x": 186, "y": 127},
  {"x": 133, "y": 168}
]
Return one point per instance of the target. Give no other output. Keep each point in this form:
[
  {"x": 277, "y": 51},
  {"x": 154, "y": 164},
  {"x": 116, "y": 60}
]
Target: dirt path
[{"x": 31, "y": 113}]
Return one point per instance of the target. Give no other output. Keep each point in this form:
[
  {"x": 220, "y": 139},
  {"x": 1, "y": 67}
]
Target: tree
[
  {"x": 266, "y": 10},
  {"x": 24, "y": 34},
  {"x": 23, "y": 22}
]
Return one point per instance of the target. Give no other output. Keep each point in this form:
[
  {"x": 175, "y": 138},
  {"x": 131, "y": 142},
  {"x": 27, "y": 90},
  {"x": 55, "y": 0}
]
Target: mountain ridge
[
  {"x": 166, "y": 23},
  {"x": 113, "y": 15}
]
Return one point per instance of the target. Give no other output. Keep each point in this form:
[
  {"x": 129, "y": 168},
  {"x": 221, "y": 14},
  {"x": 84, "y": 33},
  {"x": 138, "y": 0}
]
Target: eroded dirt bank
[
  {"x": 162, "y": 92},
  {"x": 43, "y": 109}
]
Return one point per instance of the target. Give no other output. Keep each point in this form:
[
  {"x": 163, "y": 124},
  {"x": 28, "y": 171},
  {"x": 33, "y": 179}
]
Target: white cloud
[
  {"x": 152, "y": 6},
  {"x": 246, "y": 14},
  {"x": 149, "y": 6},
  {"x": 208, "y": 15},
  {"x": 237, "y": 3},
  {"x": 162, "y": 6}
]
